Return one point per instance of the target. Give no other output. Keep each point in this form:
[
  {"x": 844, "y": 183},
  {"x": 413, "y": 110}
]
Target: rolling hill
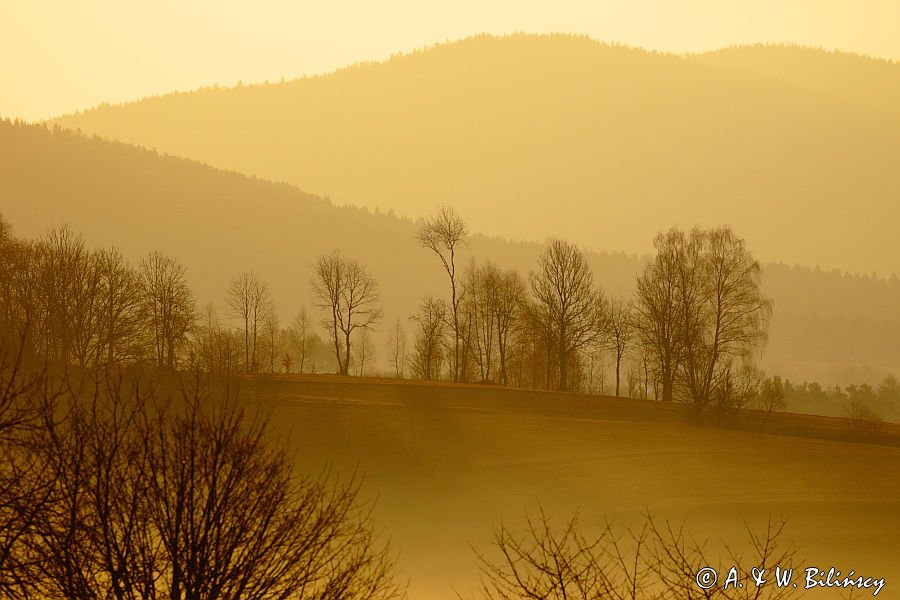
[
  {"x": 530, "y": 136},
  {"x": 828, "y": 326},
  {"x": 449, "y": 463}
]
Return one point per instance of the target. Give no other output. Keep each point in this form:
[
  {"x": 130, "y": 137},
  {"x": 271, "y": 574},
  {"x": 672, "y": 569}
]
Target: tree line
[
  {"x": 859, "y": 402},
  {"x": 691, "y": 332}
]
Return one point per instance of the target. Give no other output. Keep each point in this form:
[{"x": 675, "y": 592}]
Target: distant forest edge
[
  {"x": 692, "y": 332},
  {"x": 794, "y": 147},
  {"x": 219, "y": 224},
  {"x": 828, "y": 326}
]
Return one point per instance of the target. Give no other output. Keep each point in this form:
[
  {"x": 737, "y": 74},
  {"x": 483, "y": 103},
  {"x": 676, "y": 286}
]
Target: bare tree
[
  {"x": 429, "y": 343},
  {"x": 702, "y": 312},
  {"x": 595, "y": 364},
  {"x": 168, "y": 305},
  {"x": 480, "y": 296},
  {"x": 771, "y": 396},
  {"x": 863, "y": 420},
  {"x": 491, "y": 301},
  {"x": 68, "y": 294},
  {"x": 397, "y": 349},
  {"x": 26, "y": 481},
  {"x": 443, "y": 234},
  {"x": 84, "y": 309},
  {"x": 301, "y": 333},
  {"x": 657, "y": 309},
  {"x": 567, "y": 302},
  {"x": 272, "y": 330},
  {"x": 508, "y": 305},
  {"x": 733, "y": 314},
  {"x": 349, "y": 296},
  {"x": 619, "y": 323},
  {"x": 121, "y": 326},
  {"x": 216, "y": 349},
  {"x": 11, "y": 259},
  {"x": 250, "y": 302},
  {"x": 363, "y": 350},
  {"x": 651, "y": 562},
  {"x": 49, "y": 297},
  {"x": 738, "y": 386},
  {"x": 183, "y": 494},
  {"x": 23, "y": 306}
]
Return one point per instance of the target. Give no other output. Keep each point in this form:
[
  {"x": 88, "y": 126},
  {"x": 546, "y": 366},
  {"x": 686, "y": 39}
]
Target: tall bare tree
[
  {"x": 619, "y": 323},
  {"x": 249, "y": 301},
  {"x": 510, "y": 298},
  {"x": 492, "y": 300},
  {"x": 68, "y": 295},
  {"x": 349, "y": 296},
  {"x": 363, "y": 350},
  {"x": 121, "y": 334},
  {"x": 732, "y": 319},
  {"x": 480, "y": 296},
  {"x": 572, "y": 309},
  {"x": 397, "y": 349},
  {"x": 301, "y": 333},
  {"x": 428, "y": 352},
  {"x": 702, "y": 311},
  {"x": 22, "y": 301},
  {"x": 658, "y": 309},
  {"x": 272, "y": 330},
  {"x": 443, "y": 234},
  {"x": 168, "y": 304}
]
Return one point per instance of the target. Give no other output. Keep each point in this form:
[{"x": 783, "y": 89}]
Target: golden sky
[{"x": 60, "y": 56}]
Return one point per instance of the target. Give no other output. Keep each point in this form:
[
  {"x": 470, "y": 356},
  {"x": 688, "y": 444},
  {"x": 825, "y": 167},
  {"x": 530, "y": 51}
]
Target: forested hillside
[{"x": 827, "y": 326}]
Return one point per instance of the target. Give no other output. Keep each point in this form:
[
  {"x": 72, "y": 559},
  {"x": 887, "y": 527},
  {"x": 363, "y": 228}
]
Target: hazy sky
[{"x": 60, "y": 56}]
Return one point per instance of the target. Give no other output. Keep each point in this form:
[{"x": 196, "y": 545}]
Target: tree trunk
[
  {"x": 503, "y": 377},
  {"x": 171, "y": 352},
  {"x": 563, "y": 370},
  {"x": 455, "y": 329},
  {"x": 337, "y": 342},
  {"x": 618, "y": 363},
  {"x": 246, "y": 345},
  {"x": 255, "y": 359},
  {"x": 667, "y": 385},
  {"x": 345, "y": 367}
]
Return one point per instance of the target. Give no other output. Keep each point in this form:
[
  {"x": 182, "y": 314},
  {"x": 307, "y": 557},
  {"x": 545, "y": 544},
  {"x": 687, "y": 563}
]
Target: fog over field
[{"x": 448, "y": 464}]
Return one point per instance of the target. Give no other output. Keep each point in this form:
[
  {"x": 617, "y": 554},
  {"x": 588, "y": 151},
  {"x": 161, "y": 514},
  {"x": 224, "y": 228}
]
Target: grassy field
[{"x": 447, "y": 463}]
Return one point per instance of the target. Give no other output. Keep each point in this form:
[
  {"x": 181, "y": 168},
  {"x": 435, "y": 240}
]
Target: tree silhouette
[
  {"x": 443, "y": 234},
  {"x": 349, "y": 296},
  {"x": 567, "y": 302}
]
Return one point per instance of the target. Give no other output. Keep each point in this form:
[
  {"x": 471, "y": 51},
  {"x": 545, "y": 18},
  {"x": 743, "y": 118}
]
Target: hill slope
[
  {"x": 827, "y": 326},
  {"x": 537, "y": 135},
  {"x": 448, "y": 463}
]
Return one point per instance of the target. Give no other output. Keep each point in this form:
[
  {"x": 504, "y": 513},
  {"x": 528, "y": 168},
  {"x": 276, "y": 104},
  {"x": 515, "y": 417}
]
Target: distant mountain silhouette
[
  {"x": 532, "y": 136},
  {"x": 827, "y": 326}
]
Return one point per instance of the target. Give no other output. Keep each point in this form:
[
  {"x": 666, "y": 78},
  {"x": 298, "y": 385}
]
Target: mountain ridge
[
  {"x": 620, "y": 142},
  {"x": 702, "y": 55}
]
